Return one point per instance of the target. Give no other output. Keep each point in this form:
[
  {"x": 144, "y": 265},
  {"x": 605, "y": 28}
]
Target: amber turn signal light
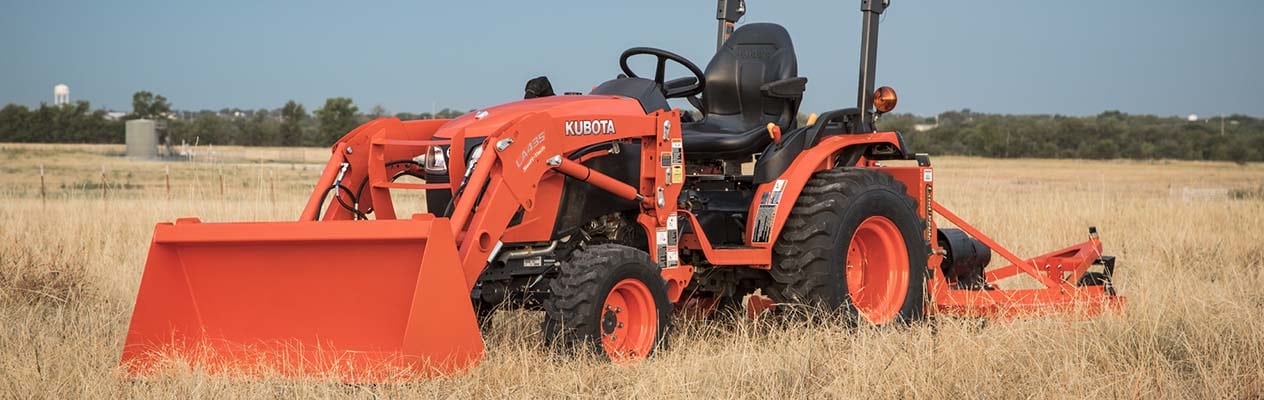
[{"x": 884, "y": 99}]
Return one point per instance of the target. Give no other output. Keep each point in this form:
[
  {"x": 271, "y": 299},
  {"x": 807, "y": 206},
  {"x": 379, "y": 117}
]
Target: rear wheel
[
  {"x": 853, "y": 244},
  {"x": 610, "y": 300}
]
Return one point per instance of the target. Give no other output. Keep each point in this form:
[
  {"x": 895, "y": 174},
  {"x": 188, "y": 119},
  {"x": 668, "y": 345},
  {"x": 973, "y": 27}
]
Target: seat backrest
[{"x": 753, "y": 55}]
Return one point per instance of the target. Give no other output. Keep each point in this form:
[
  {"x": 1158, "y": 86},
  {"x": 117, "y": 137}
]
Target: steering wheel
[{"x": 670, "y": 91}]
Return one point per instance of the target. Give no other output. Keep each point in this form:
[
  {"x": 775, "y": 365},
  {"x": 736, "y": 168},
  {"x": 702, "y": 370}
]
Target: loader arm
[
  {"x": 504, "y": 178},
  {"x": 362, "y": 164}
]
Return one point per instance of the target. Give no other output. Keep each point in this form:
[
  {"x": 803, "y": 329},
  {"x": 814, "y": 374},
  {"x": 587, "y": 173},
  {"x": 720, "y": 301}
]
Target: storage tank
[
  {"x": 142, "y": 139},
  {"x": 61, "y": 94}
]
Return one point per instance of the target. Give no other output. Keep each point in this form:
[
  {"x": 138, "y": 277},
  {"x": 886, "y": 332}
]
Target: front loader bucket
[{"x": 358, "y": 300}]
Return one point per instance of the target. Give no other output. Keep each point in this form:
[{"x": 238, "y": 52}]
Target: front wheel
[
  {"x": 853, "y": 244},
  {"x": 610, "y": 300}
]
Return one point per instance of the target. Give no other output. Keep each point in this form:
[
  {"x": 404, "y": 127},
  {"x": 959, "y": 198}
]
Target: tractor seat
[{"x": 751, "y": 81}]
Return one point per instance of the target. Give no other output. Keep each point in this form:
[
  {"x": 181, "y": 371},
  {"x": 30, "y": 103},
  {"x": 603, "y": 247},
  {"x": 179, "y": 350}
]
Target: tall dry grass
[{"x": 1190, "y": 266}]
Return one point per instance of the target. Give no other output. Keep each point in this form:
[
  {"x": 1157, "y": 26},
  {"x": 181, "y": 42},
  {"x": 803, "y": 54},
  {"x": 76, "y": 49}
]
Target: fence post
[
  {"x": 167, "y": 174},
  {"x": 272, "y": 190},
  {"x": 43, "y": 191},
  {"x": 104, "y": 184}
]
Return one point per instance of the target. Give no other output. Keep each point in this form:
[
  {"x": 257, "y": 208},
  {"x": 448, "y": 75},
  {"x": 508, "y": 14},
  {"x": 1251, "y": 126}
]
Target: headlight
[{"x": 436, "y": 161}]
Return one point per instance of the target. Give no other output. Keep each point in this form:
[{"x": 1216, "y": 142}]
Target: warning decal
[
  {"x": 668, "y": 238},
  {"x": 766, "y": 214},
  {"x": 672, "y": 236},
  {"x": 930, "y": 215},
  {"x": 763, "y": 223},
  {"x": 532, "y": 262},
  {"x": 661, "y": 240}
]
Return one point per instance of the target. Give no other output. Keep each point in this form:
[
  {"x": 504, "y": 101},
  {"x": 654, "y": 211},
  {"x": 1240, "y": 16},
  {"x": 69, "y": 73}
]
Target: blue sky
[{"x": 1075, "y": 57}]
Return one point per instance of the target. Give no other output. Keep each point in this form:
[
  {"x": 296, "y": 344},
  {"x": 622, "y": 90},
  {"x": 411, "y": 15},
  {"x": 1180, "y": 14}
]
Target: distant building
[
  {"x": 927, "y": 127},
  {"x": 61, "y": 94}
]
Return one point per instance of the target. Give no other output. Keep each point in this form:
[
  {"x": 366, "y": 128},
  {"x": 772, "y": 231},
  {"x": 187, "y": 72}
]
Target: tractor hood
[{"x": 483, "y": 122}]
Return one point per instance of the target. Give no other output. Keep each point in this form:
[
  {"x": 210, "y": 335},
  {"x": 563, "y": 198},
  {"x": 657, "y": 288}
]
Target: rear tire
[
  {"x": 854, "y": 224},
  {"x": 610, "y": 300}
]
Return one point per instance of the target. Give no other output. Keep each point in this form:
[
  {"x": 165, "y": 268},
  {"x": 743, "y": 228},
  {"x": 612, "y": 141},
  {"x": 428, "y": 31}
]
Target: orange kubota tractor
[{"x": 605, "y": 210}]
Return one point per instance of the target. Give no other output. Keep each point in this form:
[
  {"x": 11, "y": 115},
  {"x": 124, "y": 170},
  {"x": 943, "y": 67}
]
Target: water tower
[{"x": 61, "y": 94}]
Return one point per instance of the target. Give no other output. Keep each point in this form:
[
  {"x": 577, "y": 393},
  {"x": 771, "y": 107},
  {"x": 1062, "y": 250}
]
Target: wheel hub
[
  {"x": 877, "y": 270},
  {"x": 629, "y": 321},
  {"x": 610, "y": 320}
]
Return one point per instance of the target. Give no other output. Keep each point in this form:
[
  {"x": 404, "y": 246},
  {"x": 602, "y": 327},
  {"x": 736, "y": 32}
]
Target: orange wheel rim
[
  {"x": 629, "y": 321},
  {"x": 877, "y": 270}
]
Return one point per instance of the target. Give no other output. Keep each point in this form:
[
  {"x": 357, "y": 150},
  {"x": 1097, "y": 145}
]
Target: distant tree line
[
  {"x": 289, "y": 125},
  {"x": 71, "y": 123},
  {"x": 1108, "y": 135}
]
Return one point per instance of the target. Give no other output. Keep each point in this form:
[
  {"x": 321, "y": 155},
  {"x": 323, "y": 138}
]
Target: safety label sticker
[
  {"x": 672, "y": 229},
  {"x": 677, "y": 173},
  {"x": 928, "y": 175},
  {"x": 532, "y": 262},
  {"x": 767, "y": 212},
  {"x": 661, "y": 240},
  {"x": 666, "y": 159},
  {"x": 773, "y": 197},
  {"x": 763, "y": 223},
  {"x": 930, "y": 214},
  {"x": 677, "y": 152}
]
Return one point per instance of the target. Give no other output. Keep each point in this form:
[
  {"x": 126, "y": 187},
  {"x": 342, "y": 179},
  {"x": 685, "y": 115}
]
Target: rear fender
[{"x": 774, "y": 199}]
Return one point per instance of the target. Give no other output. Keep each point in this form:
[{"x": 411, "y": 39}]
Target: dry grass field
[{"x": 1189, "y": 237}]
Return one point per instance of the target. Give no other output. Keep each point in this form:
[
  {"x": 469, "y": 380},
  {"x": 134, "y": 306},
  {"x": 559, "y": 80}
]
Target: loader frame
[{"x": 537, "y": 145}]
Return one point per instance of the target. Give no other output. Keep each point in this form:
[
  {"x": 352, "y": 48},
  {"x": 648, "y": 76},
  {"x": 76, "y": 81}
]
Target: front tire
[
  {"x": 610, "y": 300},
  {"x": 852, "y": 244}
]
